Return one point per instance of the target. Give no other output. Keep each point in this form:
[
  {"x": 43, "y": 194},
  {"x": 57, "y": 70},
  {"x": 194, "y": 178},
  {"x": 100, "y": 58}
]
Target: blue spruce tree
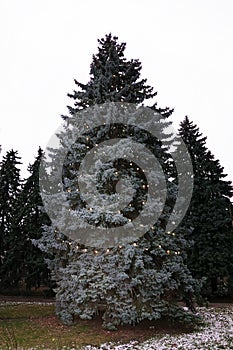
[{"x": 146, "y": 277}]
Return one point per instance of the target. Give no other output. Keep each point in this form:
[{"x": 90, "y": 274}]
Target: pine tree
[
  {"x": 211, "y": 255},
  {"x": 9, "y": 191},
  {"x": 24, "y": 264},
  {"x": 142, "y": 279},
  {"x": 29, "y": 220}
]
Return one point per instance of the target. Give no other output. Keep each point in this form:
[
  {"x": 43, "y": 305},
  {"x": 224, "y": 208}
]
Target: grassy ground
[{"x": 33, "y": 325}]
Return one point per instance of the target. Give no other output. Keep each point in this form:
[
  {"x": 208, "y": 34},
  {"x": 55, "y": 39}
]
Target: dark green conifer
[{"x": 211, "y": 256}]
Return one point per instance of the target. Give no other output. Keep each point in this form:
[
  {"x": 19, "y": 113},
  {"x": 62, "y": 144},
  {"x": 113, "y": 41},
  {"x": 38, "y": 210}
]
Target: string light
[
  {"x": 96, "y": 251},
  {"x": 168, "y": 251}
]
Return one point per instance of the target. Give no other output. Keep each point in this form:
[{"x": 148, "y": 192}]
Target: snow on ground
[{"x": 217, "y": 334}]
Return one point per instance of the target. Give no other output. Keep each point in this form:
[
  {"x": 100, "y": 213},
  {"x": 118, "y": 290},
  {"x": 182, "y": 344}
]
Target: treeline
[{"x": 22, "y": 265}]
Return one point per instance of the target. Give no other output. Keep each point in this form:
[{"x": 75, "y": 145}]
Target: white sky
[{"x": 185, "y": 46}]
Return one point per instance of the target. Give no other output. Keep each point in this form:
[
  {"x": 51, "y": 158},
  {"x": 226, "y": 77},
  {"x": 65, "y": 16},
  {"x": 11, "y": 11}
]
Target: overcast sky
[{"x": 185, "y": 46}]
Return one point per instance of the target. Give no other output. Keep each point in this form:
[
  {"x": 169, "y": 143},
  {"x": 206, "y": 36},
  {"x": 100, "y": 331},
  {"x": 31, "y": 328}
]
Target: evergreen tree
[
  {"x": 9, "y": 191},
  {"x": 140, "y": 280},
  {"x": 113, "y": 78},
  {"x": 24, "y": 264},
  {"x": 211, "y": 255}
]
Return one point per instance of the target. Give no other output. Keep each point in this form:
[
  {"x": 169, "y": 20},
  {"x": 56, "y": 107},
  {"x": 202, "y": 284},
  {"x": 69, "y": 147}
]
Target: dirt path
[
  {"x": 40, "y": 299},
  {"x": 5, "y": 298}
]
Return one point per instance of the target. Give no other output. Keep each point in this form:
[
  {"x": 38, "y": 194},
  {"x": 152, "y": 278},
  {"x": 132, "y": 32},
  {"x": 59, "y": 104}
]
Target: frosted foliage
[
  {"x": 108, "y": 161},
  {"x": 110, "y": 200},
  {"x": 107, "y": 185},
  {"x": 123, "y": 283}
]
